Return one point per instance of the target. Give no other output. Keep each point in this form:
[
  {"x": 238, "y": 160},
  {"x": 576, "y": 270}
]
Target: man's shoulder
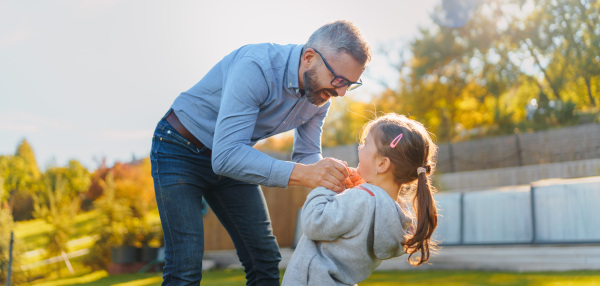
[
  {"x": 261, "y": 47},
  {"x": 268, "y": 52}
]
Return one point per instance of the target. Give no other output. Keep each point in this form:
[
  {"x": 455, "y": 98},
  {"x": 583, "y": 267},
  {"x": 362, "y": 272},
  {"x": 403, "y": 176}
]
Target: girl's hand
[{"x": 353, "y": 179}]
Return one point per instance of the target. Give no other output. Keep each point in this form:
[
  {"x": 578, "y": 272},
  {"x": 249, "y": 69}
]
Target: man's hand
[{"x": 328, "y": 172}]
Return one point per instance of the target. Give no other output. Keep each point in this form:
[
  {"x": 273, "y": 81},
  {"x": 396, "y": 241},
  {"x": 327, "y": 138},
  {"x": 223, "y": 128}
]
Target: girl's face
[{"x": 367, "y": 155}]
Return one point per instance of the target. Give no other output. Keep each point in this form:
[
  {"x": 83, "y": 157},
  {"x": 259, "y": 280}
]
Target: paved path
[{"x": 502, "y": 257}]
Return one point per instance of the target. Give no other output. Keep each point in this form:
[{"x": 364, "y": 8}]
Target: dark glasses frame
[{"x": 339, "y": 81}]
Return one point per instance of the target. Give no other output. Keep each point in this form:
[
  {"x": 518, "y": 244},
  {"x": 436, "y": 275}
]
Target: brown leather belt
[{"x": 175, "y": 123}]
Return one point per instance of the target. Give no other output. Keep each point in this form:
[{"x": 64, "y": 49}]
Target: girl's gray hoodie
[{"x": 346, "y": 236}]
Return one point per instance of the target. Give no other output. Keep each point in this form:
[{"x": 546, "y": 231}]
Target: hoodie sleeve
[{"x": 327, "y": 215}]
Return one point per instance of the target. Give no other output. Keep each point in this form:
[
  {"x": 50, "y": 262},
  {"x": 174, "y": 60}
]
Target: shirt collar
[{"x": 291, "y": 80}]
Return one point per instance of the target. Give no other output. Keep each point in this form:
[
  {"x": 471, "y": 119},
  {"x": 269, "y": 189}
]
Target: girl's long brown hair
[{"x": 415, "y": 149}]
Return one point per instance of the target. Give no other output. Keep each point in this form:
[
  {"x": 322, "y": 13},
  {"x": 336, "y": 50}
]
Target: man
[{"x": 202, "y": 147}]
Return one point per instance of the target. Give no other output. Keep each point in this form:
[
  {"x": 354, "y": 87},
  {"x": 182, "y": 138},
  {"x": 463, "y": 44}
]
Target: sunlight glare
[
  {"x": 95, "y": 276},
  {"x": 142, "y": 282}
]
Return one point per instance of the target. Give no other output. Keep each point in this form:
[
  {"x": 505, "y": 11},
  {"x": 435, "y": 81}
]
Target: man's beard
[{"x": 314, "y": 96}]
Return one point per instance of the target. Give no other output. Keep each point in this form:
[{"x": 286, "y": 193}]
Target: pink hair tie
[
  {"x": 395, "y": 141},
  {"x": 421, "y": 170}
]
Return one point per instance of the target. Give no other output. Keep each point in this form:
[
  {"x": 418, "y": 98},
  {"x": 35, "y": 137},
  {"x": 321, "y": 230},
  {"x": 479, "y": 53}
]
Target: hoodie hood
[{"x": 389, "y": 227}]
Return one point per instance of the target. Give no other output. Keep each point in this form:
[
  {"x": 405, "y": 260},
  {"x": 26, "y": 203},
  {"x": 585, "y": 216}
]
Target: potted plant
[
  {"x": 149, "y": 239},
  {"x": 126, "y": 238}
]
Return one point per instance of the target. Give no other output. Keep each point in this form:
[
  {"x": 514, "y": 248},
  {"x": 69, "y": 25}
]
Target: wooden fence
[
  {"x": 521, "y": 149},
  {"x": 283, "y": 207}
]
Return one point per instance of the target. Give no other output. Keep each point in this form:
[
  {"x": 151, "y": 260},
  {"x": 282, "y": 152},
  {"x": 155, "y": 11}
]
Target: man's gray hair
[{"x": 341, "y": 36}]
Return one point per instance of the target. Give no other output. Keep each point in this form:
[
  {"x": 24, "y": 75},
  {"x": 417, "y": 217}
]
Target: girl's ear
[{"x": 383, "y": 164}]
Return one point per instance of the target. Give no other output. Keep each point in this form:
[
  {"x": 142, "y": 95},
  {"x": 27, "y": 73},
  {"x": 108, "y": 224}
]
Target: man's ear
[
  {"x": 308, "y": 57},
  {"x": 383, "y": 164}
]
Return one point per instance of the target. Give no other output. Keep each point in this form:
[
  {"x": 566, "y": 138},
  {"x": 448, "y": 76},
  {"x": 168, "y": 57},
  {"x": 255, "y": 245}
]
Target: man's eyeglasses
[{"x": 339, "y": 81}]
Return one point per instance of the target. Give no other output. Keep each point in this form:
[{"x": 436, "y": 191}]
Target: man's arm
[{"x": 244, "y": 90}]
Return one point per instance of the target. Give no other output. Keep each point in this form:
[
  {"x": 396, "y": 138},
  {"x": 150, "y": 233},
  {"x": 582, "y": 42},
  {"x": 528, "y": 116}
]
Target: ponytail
[
  {"x": 412, "y": 154},
  {"x": 426, "y": 216}
]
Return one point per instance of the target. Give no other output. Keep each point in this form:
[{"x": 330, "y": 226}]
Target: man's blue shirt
[{"x": 251, "y": 94}]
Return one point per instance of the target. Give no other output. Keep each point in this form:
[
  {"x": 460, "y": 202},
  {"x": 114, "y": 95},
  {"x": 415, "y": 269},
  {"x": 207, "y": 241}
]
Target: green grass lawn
[{"x": 379, "y": 278}]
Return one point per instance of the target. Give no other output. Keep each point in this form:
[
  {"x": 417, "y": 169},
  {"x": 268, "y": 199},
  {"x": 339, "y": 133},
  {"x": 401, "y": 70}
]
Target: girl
[{"x": 347, "y": 235}]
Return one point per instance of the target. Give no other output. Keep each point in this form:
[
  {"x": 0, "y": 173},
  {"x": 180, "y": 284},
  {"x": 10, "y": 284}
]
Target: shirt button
[{"x": 290, "y": 84}]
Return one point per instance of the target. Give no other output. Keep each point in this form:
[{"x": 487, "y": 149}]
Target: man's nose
[{"x": 341, "y": 91}]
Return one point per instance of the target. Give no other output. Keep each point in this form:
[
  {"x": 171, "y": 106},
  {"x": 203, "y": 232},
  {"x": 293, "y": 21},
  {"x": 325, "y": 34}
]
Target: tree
[
  {"x": 25, "y": 151},
  {"x": 57, "y": 208},
  {"x": 466, "y": 75},
  {"x": 77, "y": 179},
  {"x": 345, "y": 121},
  {"x": 4, "y": 195},
  {"x": 7, "y": 223},
  {"x": 21, "y": 177},
  {"x": 576, "y": 25},
  {"x": 134, "y": 184},
  {"x": 114, "y": 211},
  {"x": 562, "y": 35}
]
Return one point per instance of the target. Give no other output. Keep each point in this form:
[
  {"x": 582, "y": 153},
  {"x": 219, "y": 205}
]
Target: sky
[{"x": 89, "y": 79}]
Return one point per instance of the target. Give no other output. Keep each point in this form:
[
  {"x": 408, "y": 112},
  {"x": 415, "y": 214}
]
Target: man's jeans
[{"x": 182, "y": 176}]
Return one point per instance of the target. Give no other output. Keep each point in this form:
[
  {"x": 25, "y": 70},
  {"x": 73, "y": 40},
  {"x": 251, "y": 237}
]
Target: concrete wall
[
  {"x": 549, "y": 211},
  {"x": 567, "y": 210}
]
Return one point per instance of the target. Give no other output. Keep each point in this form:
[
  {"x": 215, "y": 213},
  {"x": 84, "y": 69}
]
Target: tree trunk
[
  {"x": 546, "y": 76},
  {"x": 588, "y": 85}
]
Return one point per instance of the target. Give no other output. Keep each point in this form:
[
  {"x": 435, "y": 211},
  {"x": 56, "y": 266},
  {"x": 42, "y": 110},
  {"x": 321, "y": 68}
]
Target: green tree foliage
[
  {"x": 563, "y": 35},
  {"x": 4, "y": 195},
  {"x": 7, "y": 225},
  {"x": 21, "y": 177},
  {"x": 25, "y": 151},
  {"x": 57, "y": 207},
  {"x": 282, "y": 143},
  {"x": 134, "y": 184},
  {"x": 111, "y": 225},
  {"x": 124, "y": 196},
  {"x": 76, "y": 178},
  {"x": 345, "y": 122},
  {"x": 478, "y": 77},
  {"x": 342, "y": 126}
]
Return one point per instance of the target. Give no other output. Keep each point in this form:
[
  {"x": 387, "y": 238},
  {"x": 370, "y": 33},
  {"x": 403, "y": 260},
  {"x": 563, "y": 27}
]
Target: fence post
[
  {"x": 533, "y": 224},
  {"x": 462, "y": 218},
  {"x": 451, "y": 154},
  {"x": 519, "y": 150},
  {"x": 10, "y": 251}
]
